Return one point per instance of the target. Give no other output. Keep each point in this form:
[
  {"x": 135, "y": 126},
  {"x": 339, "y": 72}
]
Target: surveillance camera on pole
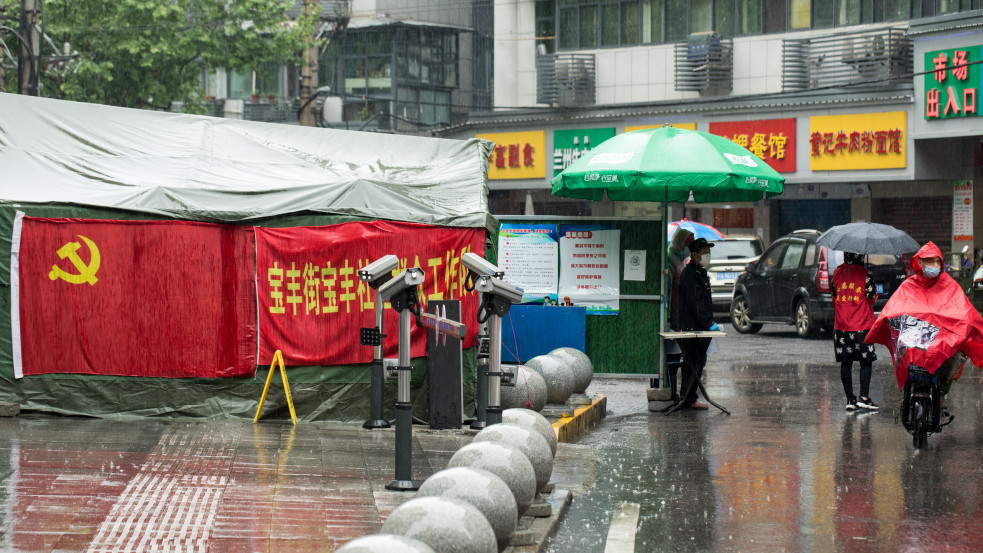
[
  {"x": 497, "y": 297},
  {"x": 376, "y": 274},
  {"x": 401, "y": 292}
]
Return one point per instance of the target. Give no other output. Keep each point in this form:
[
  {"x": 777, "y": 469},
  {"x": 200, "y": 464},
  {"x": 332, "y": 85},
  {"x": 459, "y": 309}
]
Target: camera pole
[
  {"x": 484, "y": 349},
  {"x": 405, "y": 302},
  {"x": 373, "y": 337}
]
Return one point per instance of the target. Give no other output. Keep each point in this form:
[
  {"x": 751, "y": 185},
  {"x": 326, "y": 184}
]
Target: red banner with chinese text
[
  {"x": 312, "y": 303},
  {"x": 134, "y": 298},
  {"x": 773, "y": 140}
]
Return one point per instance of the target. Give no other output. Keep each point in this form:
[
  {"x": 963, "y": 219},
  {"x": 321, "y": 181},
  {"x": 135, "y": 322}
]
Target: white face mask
[
  {"x": 932, "y": 272},
  {"x": 704, "y": 260}
]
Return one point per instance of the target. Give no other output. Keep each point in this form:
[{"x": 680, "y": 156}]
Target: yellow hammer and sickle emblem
[{"x": 86, "y": 273}]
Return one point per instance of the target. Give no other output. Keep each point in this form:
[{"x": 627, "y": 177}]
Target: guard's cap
[{"x": 699, "y": 244}]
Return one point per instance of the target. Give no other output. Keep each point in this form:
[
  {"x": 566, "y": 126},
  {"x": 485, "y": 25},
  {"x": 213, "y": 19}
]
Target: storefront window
[
  {"x": 588, "y": 27},
  {"x": 610, "y": 23}
]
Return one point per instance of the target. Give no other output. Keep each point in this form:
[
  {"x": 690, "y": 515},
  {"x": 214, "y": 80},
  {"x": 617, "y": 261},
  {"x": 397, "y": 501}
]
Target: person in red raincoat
[
  {"x": 929, "y": 321},
  {"x": 853, "y": 296}
]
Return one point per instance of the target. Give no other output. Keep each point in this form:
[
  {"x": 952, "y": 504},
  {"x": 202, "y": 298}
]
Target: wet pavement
[{"x": 790, "y": 470}]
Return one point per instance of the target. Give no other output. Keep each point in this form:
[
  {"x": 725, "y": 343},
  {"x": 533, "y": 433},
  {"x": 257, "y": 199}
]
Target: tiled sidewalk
[{"x": 73, "y": 484}]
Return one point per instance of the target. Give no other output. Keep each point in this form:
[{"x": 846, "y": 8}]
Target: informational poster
[
  {"x": 635, "y": 265},
  {"x": 589, "y": 262},
  {"x": 962, "y": 211},
  {"x": 529, "y": 255}
]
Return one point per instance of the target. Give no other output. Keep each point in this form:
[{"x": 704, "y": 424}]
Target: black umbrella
[{"x": 868, "y": 238}]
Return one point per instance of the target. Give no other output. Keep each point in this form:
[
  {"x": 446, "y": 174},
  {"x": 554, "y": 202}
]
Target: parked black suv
[{"x": 790, "y": 284}]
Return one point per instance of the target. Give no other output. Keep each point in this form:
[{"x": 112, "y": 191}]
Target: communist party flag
[
  {"x": 132, "y": 298},
  {"x": 312, "y": 303}
]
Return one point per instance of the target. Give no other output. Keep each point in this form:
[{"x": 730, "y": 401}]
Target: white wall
[{"x": 629, "y": 75}]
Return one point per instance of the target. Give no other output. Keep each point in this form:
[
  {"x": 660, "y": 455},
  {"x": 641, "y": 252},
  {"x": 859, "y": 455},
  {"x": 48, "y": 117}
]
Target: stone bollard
[
  {"x": 531, "y": 419},
  {"x": 530, "y": 388},
  {"x": 447, "y": 525},
  {"x": 385, "y": 543},
  {"x": 484, "y": 491},
  {"x": 528, "y": 441},
  {"x": 559, "y": 380},
  {"x": 505, "y": 462},
  {"x": 579, "y": 364}
]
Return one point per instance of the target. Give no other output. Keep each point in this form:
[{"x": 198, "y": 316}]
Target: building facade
[{"x": 868, "y": 108}]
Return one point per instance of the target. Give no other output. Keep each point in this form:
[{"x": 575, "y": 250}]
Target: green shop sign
[
  {"x": 952, "y": 82},
  {"x": 568, "y": 146}
]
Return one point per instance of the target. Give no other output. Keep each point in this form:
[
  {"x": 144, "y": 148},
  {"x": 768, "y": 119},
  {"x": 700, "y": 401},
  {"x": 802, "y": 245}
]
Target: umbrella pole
[{"x": 663, "y": 372}]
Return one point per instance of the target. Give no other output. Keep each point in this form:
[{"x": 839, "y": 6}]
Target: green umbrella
[{"x": 666, "y": 164}]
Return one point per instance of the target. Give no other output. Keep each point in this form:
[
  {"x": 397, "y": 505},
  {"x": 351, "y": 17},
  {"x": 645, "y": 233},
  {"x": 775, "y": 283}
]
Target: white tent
[{"x": 222, "y": 170}]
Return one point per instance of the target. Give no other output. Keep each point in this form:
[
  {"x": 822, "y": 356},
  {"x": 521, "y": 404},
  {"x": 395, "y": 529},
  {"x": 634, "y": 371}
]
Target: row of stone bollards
[
  {"x": 475, "y": 504},
  {"x": 559, "y": 377}
]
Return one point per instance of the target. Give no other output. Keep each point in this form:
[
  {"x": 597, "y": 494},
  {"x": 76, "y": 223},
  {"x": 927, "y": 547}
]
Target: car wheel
[
  {"x": 740, "y": 317},
  {"x": 803, "y": 326}
]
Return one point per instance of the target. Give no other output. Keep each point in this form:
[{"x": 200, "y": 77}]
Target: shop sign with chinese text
[
  {"x": 517, "y": 155},
  {"x": 962, "y": 211},
  {"x": 773, "y": 140},
  {"x": 952, "y": 83},
  {"x": 568, "y": 146},
  {"x": 857, "y": 141}
]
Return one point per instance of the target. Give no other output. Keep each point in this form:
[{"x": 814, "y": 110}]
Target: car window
[
  {"x": 773, "y": 256},
  {"x": 736, "y": 249},
  {"x": 873, "y": 260},
  {"x": 810, "y": 255},
  {"x": 793, "y": 255}
]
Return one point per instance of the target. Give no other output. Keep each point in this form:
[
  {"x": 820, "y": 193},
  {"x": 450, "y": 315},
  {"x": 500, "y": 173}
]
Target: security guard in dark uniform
[{"x": 695, "y": 313}]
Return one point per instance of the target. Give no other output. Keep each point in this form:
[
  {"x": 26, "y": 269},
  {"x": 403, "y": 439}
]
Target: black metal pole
[{"x": 378, "y": 391}]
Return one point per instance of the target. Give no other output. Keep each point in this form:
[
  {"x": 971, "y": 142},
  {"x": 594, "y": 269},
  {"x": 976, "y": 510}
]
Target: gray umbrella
[{"x": 868, "y": 238}]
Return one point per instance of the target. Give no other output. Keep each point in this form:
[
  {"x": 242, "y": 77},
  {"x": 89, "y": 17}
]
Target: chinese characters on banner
[
  {"x": 568, "y": 146},
  {"x": 962, "y": 212},
  {"x": 952, "y": 81},
  {"x": 517, "y": 155},
  {"x": 858, "y": 141},
  {"x": 312, "y": 303},
  {"x": 589, "y": 265},
  {"x": 132, "y": 298},
  {"x": 529, "y": 255},
  {"x": 772, "y": 140}
]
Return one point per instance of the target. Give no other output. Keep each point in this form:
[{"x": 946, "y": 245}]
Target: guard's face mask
[{"x": 704, "y": 260}]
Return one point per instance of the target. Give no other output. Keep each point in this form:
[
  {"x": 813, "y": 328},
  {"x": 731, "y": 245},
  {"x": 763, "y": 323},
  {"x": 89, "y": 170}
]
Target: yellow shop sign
[
  {"x": 517, "y": 155},
  {"x": 857, "y": 141}
]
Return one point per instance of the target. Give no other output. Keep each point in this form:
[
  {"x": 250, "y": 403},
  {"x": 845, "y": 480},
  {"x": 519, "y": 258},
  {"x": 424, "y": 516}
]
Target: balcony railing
[
  {"x": 565, "y": 80},
  {"x": 872, "y": 58}
]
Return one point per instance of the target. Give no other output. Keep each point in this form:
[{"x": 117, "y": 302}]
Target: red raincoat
[{"x": 927, "y": 320}]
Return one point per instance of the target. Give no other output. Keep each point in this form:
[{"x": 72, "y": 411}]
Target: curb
[
  {"x": 568, "y": 428},
  {"x": 542, "y": 528}
]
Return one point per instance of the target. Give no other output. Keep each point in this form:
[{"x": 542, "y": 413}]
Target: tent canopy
[{"x": 223, "y": 170}]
